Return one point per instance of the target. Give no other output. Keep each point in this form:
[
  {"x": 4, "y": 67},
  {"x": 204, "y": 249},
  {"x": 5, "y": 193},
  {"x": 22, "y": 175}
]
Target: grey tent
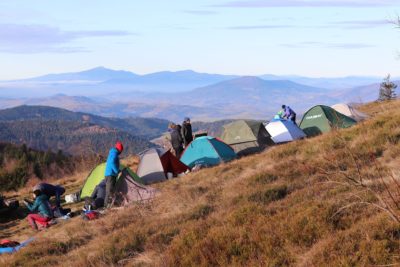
[
  {"x": 350, "y": 111},
  {"x": 156, "y": 163},
  {"x": 127, "y": 190},
  {"x": 246, "y": 136}
]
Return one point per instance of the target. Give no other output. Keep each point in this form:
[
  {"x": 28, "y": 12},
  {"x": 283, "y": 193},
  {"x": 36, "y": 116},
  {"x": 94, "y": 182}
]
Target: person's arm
[
  {"x": 34, "y": 206},
  {"x": 115, "y": 165},
  {"x": 184, "y": 131},
  {"x": 180, "y": 139}
]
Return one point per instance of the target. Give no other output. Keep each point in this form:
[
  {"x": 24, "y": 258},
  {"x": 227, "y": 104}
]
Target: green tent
[
  {"x": 97, "y": 175},
  {"x": 321, "y": 119},
  {"x": 246, "y": 136}
]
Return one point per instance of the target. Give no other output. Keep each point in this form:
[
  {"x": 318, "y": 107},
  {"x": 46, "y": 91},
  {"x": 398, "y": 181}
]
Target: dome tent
[
  {"x": 155, "y": 164},
  {"x": 246, "y": 136},
  {"x": 207, "y": 151},
  {"x": 350, "y": 111},
  {"x": 284, "y": 131},
  {"x": 320, "y": 119},
  {"x": 97, "y": 175}
]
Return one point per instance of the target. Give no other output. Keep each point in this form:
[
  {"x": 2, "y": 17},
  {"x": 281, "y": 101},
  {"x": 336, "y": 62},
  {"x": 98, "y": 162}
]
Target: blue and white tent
[{"x": 284, "y": 131}]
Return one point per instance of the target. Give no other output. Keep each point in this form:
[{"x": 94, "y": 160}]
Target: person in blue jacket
[
  {"x": 112, "y": 171},
  {"x": 51, "y": 190},
  {"x": 41, "y": 205}
]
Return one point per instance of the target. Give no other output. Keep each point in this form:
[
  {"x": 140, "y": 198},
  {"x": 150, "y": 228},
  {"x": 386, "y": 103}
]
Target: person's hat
[
  {"x": 37, "y": 188},
  {"x": 119, "y": 146}
]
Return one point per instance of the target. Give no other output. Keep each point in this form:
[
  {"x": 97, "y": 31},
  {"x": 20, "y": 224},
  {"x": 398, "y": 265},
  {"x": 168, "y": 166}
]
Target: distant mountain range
[{"x": 174, "y": 95}]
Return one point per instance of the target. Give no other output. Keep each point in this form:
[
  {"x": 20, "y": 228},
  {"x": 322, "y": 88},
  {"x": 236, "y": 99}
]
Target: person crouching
[{"x": 41, "y": 205}]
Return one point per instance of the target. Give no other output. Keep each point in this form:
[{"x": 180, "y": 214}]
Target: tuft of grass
[
  {"x": 200, "y": 212},
  {"x": 270, "y": 195}
]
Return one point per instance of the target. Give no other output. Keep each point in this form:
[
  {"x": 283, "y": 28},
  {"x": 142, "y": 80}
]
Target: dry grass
[{"x": 283, "y": 207}]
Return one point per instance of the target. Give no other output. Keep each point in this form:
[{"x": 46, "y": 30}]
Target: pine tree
[{"x": 387, "y": 89}]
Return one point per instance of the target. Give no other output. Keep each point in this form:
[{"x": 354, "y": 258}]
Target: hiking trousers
[
  {"x": 110, "y": 187},
  {"x": 293, "y": 118},
  {"x": 37, "y": 218},
  {"x": 178, "y": 151}
]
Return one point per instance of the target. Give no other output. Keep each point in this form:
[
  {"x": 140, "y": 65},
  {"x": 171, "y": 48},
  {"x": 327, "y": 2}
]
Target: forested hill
[
  {"x": 19, "y": 163},
  {"x": 75, "y": 138},
  {"x": 145, "y": 127}
]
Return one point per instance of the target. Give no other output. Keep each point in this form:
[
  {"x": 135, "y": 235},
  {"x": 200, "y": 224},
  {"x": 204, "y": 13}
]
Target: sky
[{"x": 315, "y": 38}]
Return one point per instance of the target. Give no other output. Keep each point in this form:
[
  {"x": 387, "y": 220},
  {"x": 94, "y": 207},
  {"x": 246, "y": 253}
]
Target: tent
[
  {"x": 127, "y": 190},
  {"x": 207, "y": 151},
  {"x": 155, "y": 164},
  {"x": 284, "y": 131},
  {"x": 320, "y": 119},
  {"x": 97, "y": 175},
  {"x": 350, "y": 111},
  {"x": 246, "y": 136}
]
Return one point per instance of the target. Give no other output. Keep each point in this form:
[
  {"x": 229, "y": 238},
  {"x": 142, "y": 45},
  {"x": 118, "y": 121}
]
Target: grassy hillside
[{"x": 315, "y": 202}]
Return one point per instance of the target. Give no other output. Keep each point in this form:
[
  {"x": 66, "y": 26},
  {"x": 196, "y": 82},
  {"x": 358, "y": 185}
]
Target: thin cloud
[
  {"x": 361, "y": 24},
  {"x": 328, "y": 45},
  {"x": 308, "y": 3},
  {"x": 16, "y": 38},
  {"x": 259, "y": 27},
  {"x": 200, "y": 12}
]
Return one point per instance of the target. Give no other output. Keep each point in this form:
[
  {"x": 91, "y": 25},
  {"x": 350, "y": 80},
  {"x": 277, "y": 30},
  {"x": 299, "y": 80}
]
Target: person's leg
[
  {"x": 108, "y": 190},
  {"x": 178, "y": 152},
  {"x": 32, "y": 222},
  {"x": 33, "y": 218},
  {"x": 110, "y": 184}
]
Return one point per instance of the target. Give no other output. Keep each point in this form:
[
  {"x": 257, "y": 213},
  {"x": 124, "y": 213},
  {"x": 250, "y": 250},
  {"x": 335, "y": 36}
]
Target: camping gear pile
[
  {"x": 8, "y": 246},
  {"x": 8, "y": 205}
]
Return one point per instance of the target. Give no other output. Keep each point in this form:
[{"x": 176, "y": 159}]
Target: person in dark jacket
[
  {"x": 40, "y": 205},
  {"x": 51, "y": 191},
  {"x": 176, "y": 140},
  {"x": 187, "y": 132},
  {"x": 96, "y": 200},
  {"x": 289, "y": 114},
  {"x": 112, "y": 171}
]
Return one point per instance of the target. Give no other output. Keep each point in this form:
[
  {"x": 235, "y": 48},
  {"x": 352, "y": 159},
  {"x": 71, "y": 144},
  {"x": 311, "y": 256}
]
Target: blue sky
[{"x": 304, "y": 37}]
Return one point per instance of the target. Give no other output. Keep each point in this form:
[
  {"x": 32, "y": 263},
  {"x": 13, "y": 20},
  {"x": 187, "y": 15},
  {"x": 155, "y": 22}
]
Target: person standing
[
  {"x": 51, "y": 190},
  {"x": 289, "y": 114},
  {"x": 112, "y": 171},
  {"x": 187, "y": 132},
  {"x": 176, "y": 140}
]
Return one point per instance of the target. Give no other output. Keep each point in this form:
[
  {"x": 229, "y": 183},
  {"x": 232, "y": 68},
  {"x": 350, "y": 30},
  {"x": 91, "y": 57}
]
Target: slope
[{"x": 292, "y": 205}]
